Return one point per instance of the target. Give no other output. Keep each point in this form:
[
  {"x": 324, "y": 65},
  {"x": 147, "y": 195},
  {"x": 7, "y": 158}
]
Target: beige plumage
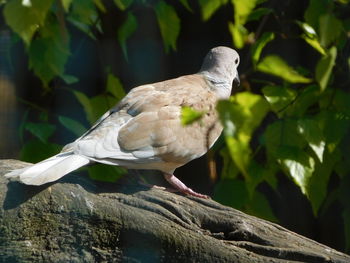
[{"x": 144, "y": 130}]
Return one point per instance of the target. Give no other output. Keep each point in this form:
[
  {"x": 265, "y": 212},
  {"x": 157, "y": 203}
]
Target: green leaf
[
  {"x": 259, "y": 206},
  {"x": 115, "y": 87},
  {"x": 231, "y": 192},
  {"x": 308, "y": 97},
  {"x": 69, "y": 79},
  {"x": 169, "y": 24},
  {"x": 189, "y": 115},
  {"x": 282, "y": 133},
  {"x": 229, "y": 170},
  {"x": 318, "y": 184},
  {"x": 86, "y": 103},
  {"x": 309, "y": 31},
  {"x": 123, "y": 4},
  {"x": 83, "y": 15},
  {"x": 72, "y": 125},
  {"x": 300, "y": 165},
  {"x": 341, "y": 102},
  {"x": 314, "y": 11},
  {"x": 275, "y": 65},
  {"x": 239, "y": 34},
  {"x": 66, "y": 4},
  {"x": 314, "y": 43},
  {"x": 208, "y": 7},
  {"x": 26, "y": 20},
  {"x": 279, "y": 97},
  {"x": 310, "y": 129},
  {"x": 256, "y": 14},
  {"x": 243, "y": 9},
  {"x": 105, "y": 173},
  {"x": 40, "y": 130},
  {"x": 186, "y": 5},
  {"x": 240, "y": 117},
  {"x": 100, "y": 104},
  {"x": 42, "y": 151},
  {"x": 49, "y": 52},
  {"x": 99, "y": 4},
  {"x": 260, "y": 44},
  {"x": 330, "y": 29},
  {"x": 333, "y": 135},
  {"x": 311, "y": 37},
  {"x": 285, "y": 145},
  {"x": 125, "y": 31},
  {"x": 324, "y": 68}
]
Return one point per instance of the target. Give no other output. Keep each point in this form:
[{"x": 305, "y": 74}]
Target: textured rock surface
[{"x": 79, "y": 220}]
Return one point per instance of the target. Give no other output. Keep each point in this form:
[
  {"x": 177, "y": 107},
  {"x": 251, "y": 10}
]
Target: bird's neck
[{"x": 222, "y": 86}]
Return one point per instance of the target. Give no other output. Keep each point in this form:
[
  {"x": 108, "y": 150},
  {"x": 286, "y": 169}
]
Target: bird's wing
[{"x": 145, "y": 126}]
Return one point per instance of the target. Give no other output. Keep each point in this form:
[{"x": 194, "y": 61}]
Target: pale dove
[{"x": 144, "y": 130}]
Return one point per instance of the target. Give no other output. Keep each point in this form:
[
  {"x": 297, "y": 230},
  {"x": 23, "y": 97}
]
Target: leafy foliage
[{"x": 291, "y": 119}]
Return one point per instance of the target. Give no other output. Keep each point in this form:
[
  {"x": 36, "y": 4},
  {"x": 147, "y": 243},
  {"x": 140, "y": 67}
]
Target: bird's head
[{"x": 220, "y": 68}]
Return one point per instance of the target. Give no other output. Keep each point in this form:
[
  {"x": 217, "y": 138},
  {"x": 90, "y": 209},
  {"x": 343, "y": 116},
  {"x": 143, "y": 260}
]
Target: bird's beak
[{"x": 236, "y": 81}]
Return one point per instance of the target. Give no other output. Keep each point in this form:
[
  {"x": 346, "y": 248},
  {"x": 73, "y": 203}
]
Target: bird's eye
[{"x": 236, "y": 61}]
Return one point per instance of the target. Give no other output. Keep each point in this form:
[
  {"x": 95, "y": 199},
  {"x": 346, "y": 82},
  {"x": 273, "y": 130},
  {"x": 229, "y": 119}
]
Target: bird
[{"x": 144, "y": 130}]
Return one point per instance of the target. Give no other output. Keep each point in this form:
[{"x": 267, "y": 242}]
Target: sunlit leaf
[
  {"x": 324, "y": 68},
  {"x": 243, "y": 9},
  {"x": 99, "y": 4},
  {"x": 299, "y": 165},
  {"x": 123, "y": 4},
  {"x": 315, "y": 44},
  {"x": 26, "y": 20},
  {"x": 260, "y": 44},
  {"x": 189, "y": 115},
  {"x": 310, "y": 129},
  {"x": 279, "y": 97},
  {"x": 72, "y": 125},
  {"x": 125, "y": 31},
  {"x": 239, "y": 34},
  {"x": 275, "y": 65},
  {"x": 186, "y": 5},
  {"x": 208, "y": 7},
  {"x": 66, "y": 4},
  {"x": 169, "y": 24},
  {"x": 240, "y": 117},
  {"x": 115, "y": 87},
  {"x": 330, "y": 29},
  {"x": 314, "y": 11}
]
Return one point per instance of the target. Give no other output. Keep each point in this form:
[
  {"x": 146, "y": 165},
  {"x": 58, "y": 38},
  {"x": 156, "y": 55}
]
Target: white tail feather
[{"x": 49, "y": 170}]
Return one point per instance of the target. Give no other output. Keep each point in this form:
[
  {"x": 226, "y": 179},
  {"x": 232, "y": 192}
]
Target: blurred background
[{"x": 64, "y": 63}]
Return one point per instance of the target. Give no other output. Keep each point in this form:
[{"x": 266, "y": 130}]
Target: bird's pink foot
[{"x": 180, "y": 186}]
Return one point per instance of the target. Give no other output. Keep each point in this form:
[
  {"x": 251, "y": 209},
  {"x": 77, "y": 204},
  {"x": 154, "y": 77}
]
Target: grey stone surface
[{"x": 80, "y": 220}]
